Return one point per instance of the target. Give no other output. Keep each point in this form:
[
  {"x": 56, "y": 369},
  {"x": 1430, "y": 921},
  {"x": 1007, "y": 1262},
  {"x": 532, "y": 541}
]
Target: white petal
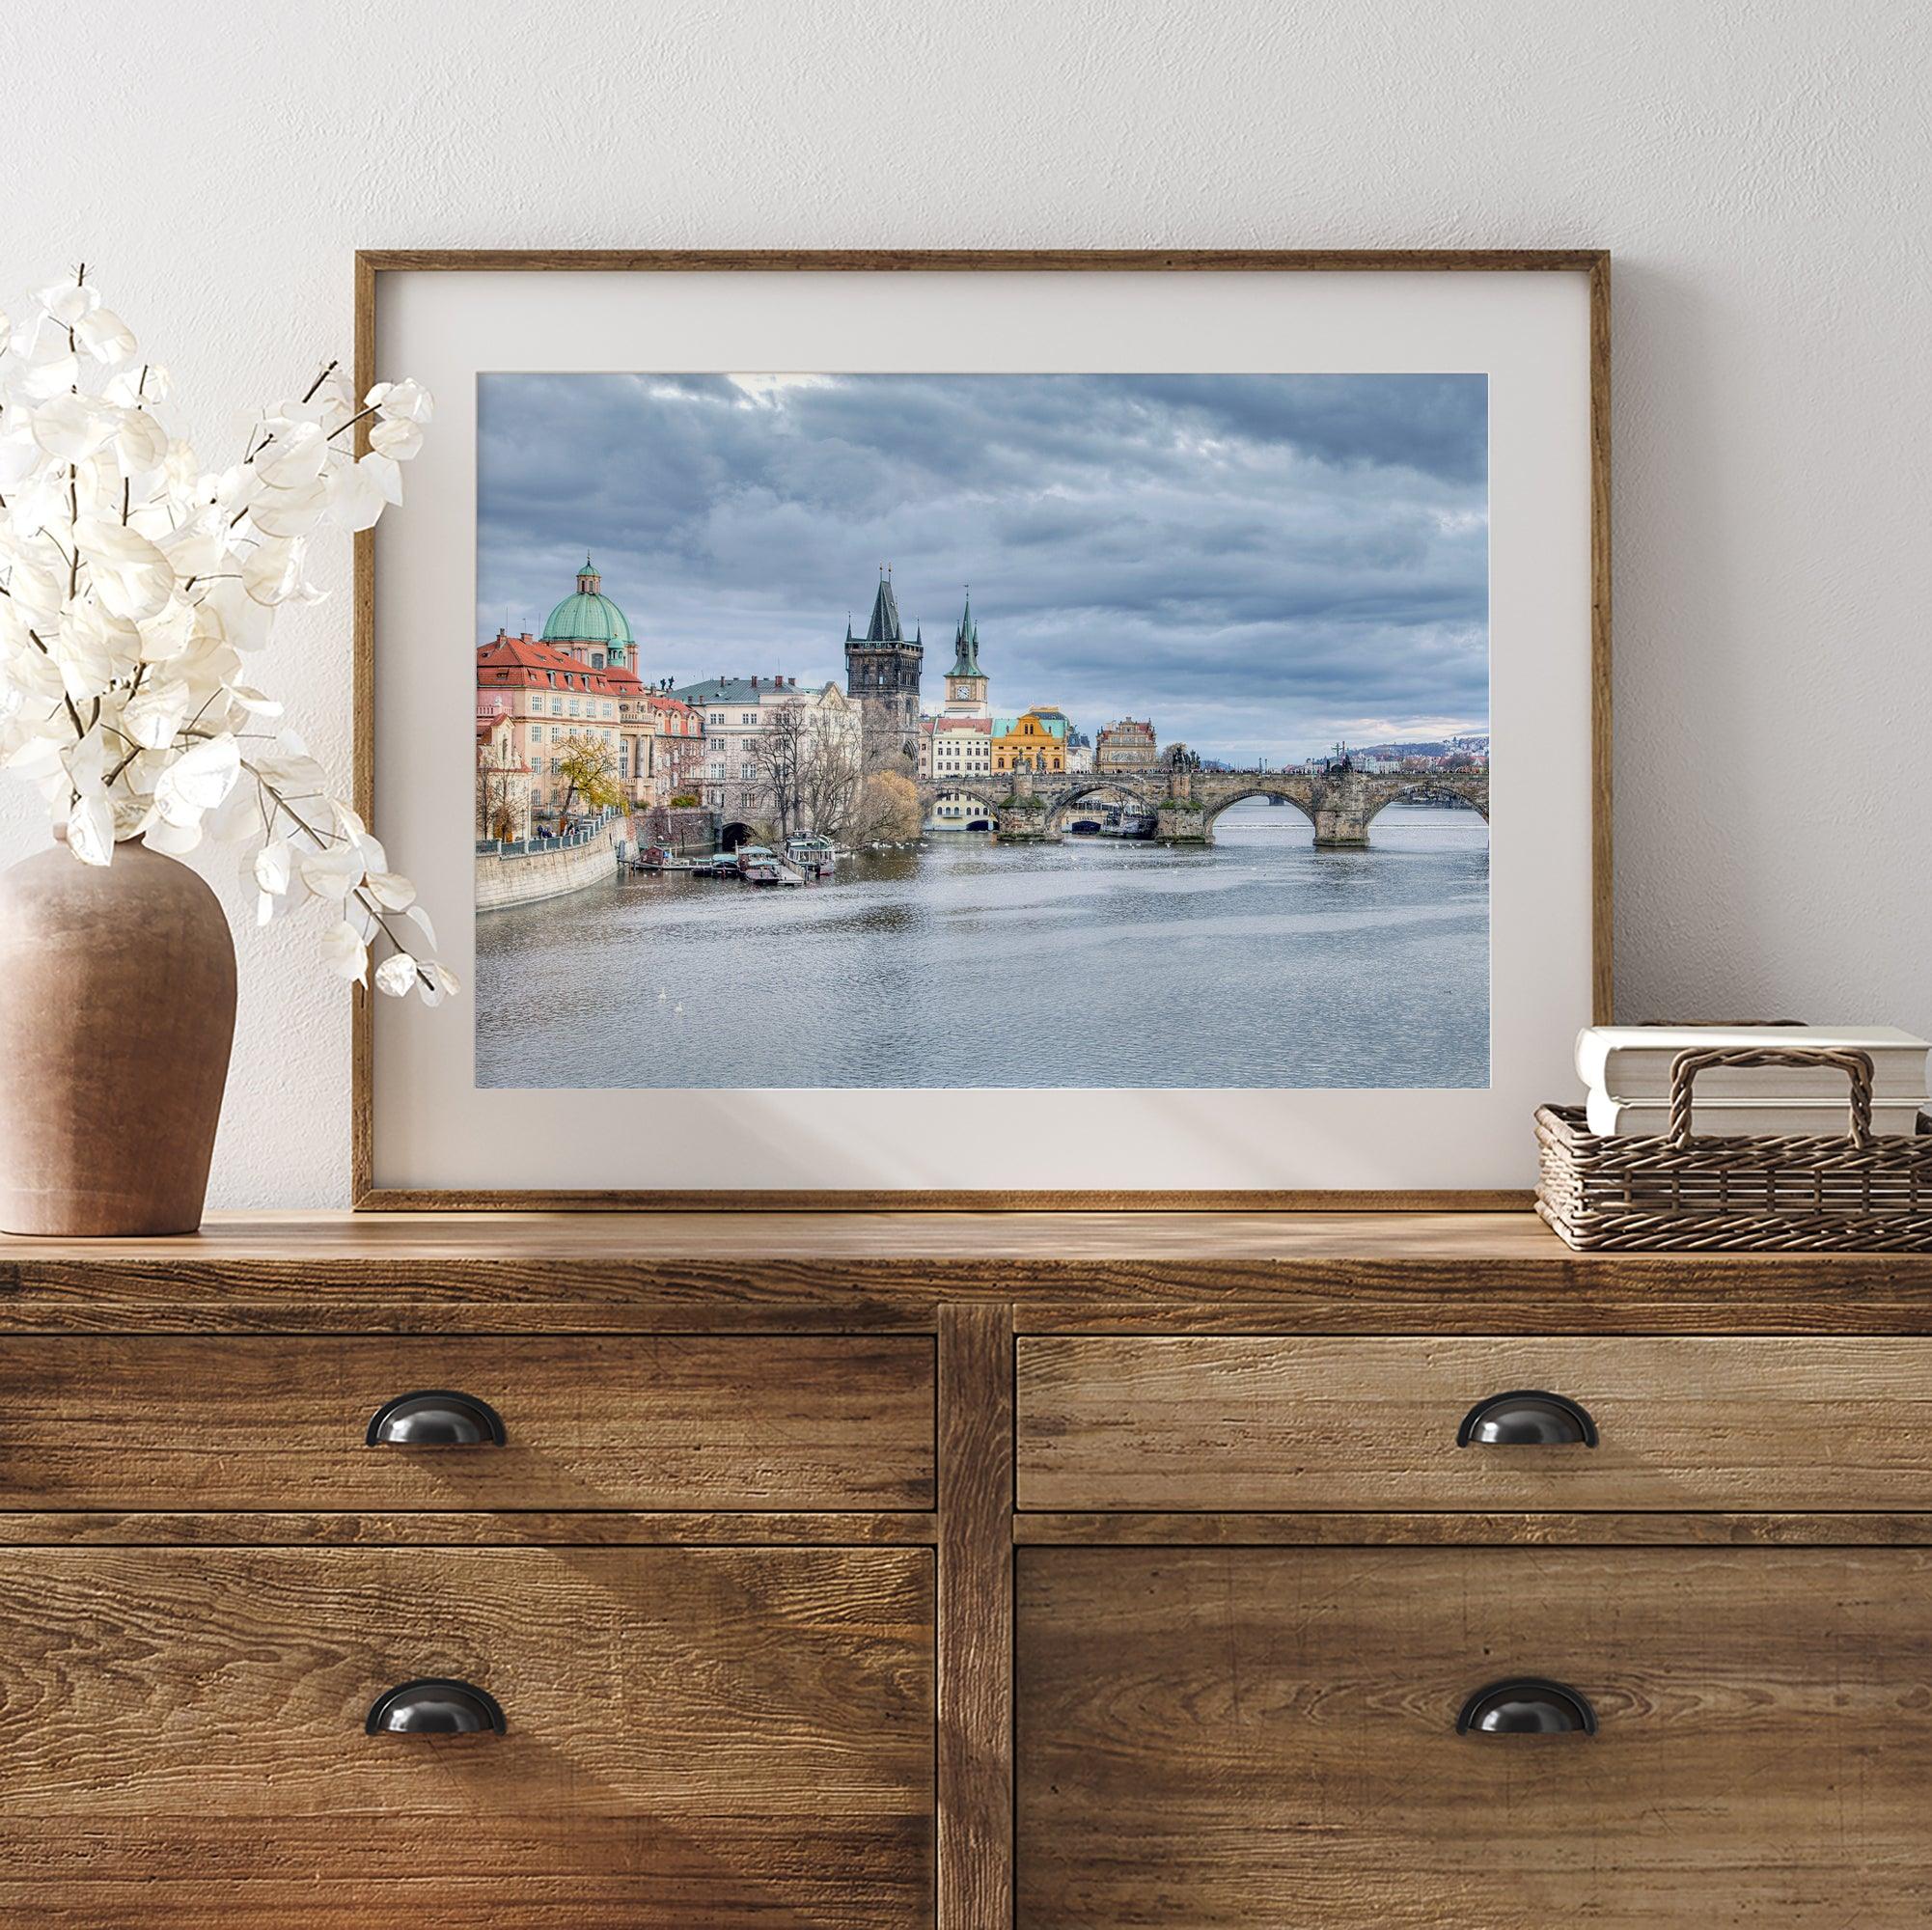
[
  {"x": 272, "y": 569},
  {"x": 105, "y": 335},
  {"x": 289, "y": 513},
  {"x": 140, "y": 443},
  {"x": 155, "y": 711},
  {"x": 423, "y": 925},
  {"x": 68, "y": 301},
  {"x": 344, "y": 951},
  {"x": 72, "y": 428},
  {"x": 391, "y": 890},
  {"x": 397, "y": 437},
  {"x": 387, "y": 472},
  {"x": 168, "y": 636},
  {"x": 52, "y": 377},
  {"x": 199, "y": 778},
  {"x": 409, "y": 401},
  {"x": 254, "y": 701},
  {"x": 334, "y": 871},
  {"x": 295, "y": 454},
  {"x": 172, "y": 840},
  {"x": 274, "y": 863},
  {"x": 355, "y": 496},
  {"x": 19, "y": 453},
  {"x": 397, "y": 975},
  {"x": 132, "y": 577},
  {"x": 91, "y": 829}
]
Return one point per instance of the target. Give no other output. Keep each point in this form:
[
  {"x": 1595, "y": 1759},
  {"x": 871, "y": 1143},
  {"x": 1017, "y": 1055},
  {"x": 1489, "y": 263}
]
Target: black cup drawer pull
[
  {"x": 1526, "y": 1706},
  {"x": 434, "y": 1705},
  {"x": 436, "y": 1417},
  {"x": 1526, "y": 1418}
]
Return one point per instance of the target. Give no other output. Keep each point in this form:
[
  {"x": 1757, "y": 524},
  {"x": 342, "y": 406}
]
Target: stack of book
[{"x": 1627, "y": 1069}]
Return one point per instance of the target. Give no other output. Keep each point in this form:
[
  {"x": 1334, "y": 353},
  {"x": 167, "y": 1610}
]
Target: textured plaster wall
[{"x": 1758, "y": 167}]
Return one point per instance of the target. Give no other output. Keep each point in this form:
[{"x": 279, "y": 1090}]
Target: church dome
[{"x": 589, "y": 617}]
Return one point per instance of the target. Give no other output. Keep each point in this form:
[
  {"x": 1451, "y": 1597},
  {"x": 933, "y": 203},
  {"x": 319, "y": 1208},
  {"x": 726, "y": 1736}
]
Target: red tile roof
[{"x": 524, "y": 663}]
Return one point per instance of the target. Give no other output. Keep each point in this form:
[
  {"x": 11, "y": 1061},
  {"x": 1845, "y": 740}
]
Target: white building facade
[{"x": 959, "y": 742}]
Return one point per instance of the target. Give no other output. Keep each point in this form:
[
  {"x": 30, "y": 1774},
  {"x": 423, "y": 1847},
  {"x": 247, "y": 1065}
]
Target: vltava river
[{"x": 1259, "y": 961}]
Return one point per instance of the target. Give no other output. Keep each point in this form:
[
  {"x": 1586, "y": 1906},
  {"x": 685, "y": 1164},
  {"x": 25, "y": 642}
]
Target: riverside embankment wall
[{"x": 532, "y": 875}]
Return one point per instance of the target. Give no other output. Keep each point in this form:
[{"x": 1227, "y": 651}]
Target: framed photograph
[{"x": 988, "y": 729}]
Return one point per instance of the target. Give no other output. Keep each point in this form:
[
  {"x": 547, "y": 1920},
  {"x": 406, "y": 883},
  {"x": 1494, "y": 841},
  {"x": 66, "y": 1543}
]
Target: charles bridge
[{"x": 1032, "y": 806}]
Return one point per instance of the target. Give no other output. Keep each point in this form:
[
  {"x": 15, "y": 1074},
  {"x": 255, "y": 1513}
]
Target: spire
[
  {"x": 966, "y": 643},
  {"x": 884, "y": 628},
  {"x": 587, "y": 578}
]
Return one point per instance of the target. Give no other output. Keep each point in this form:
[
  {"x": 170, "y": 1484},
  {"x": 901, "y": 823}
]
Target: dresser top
[
  {"x": 1471, "y": 1273},
  {"x": 590, "y": 1236}
]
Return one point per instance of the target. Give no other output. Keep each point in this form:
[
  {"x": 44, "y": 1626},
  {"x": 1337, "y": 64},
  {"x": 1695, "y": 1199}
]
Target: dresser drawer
[
  {"x": 1269, "y": 1737},
  {"x": 630, "y": 1422},
  {"x": 1348, "y": 1423},
  {"x": 692, "y": 1737}
]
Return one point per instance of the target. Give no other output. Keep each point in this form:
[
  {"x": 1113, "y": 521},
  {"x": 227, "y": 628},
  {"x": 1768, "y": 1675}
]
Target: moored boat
[
  {"x": 760, "y": 864},
  {"x": 813, "y": 855}
]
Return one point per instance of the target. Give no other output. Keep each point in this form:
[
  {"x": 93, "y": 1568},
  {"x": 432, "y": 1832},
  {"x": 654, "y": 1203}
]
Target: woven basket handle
[{"x": 1855, "y": 1065}]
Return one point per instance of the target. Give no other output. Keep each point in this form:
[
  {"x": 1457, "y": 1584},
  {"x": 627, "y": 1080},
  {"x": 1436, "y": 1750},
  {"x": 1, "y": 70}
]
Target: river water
[{"x": 1259, "y": 961}]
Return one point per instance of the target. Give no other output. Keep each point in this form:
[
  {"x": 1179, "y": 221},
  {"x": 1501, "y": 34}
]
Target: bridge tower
[{"x": 882, "y": 670}]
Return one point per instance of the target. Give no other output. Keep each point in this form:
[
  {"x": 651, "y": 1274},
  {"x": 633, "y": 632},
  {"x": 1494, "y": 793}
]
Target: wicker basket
[{"x": 1849, "y": 1192}]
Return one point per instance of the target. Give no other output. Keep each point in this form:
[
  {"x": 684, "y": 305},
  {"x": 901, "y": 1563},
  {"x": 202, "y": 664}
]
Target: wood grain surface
[
  {"x": 1252, "y": 1737},
  {"x": 697, "y": 1738},
  {"x": 1200, "y": 1272},
  {"x": 648, "y": 1422},
  {"x": 1160, "y": 1424},
  {"x": 976, "y": 1618},
  {"x": 1589, "y": 1528}
]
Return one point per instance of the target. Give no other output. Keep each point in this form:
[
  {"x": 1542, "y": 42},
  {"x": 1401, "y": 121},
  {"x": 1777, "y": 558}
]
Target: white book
[
  {"x": 1634, "y": 1061},
  {"x": 1646, "y": 1118}
]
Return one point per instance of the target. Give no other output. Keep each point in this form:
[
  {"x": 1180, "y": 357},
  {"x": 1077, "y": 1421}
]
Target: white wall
[{"x": 1758, "y": 166}]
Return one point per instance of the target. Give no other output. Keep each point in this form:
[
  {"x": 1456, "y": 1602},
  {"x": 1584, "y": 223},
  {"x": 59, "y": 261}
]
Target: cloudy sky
[{"x": 1262, "y": 563}]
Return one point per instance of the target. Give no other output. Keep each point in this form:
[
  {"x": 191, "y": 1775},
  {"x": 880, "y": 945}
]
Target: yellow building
[{"x": 1033, "y": 742}]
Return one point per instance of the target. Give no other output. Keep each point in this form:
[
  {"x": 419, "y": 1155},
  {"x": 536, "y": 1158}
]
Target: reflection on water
[{"x": 1259, "y": 961}]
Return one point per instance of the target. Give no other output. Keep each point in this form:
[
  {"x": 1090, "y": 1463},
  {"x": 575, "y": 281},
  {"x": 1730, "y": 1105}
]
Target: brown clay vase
[{"x": 117, "y": 1011}]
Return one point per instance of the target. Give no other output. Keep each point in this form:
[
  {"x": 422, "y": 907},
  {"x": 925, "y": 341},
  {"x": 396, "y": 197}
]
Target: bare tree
[
  {"x": 833, "y": 776},
  {"x": 779, "y": 754},
  {"x": 499, "y": 800}
]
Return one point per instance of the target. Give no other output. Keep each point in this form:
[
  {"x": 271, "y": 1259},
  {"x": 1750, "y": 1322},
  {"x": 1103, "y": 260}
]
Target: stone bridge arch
[
  {"x": 1470, "y": 792},
  {"x": 988, "y": 792},
  {"x": 1064, "y": 793},
  {"x": 1225, "y": 797}
]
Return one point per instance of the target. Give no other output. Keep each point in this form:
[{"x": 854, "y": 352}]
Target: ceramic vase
[{"x": 116, "y": 1012}]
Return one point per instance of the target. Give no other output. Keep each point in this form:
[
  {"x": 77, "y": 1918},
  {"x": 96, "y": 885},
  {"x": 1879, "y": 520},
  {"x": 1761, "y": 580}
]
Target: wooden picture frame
[{"x": 373, "y": 267}]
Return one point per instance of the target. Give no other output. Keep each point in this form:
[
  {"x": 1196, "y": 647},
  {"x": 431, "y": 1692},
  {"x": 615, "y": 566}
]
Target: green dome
[{"x": 586, "y": 617}]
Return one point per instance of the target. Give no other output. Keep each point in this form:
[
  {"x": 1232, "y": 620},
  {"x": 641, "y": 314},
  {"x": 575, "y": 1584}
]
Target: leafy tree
[
  {"x": 589, "y": 769},
  {"x": 891, "y": 807}
]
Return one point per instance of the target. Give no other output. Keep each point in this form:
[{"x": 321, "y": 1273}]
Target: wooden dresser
[{"x": 836, "y": 1573}]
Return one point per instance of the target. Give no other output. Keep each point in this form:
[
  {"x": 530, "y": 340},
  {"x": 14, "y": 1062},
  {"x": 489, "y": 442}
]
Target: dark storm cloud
[{"x": 1260, "y": 562}]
